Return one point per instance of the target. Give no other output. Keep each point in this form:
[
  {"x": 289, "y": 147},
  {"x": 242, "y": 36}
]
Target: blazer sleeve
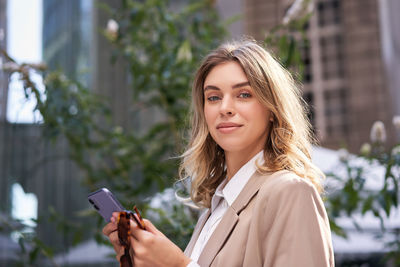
[{"x": 298, "y": 227}]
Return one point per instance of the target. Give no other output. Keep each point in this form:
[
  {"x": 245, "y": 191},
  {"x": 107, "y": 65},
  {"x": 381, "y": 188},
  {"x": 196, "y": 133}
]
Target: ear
[{"x": 271, "y": 117}]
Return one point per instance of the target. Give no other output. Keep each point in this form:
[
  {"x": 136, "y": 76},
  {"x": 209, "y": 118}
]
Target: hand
[{"x": 150, "y": 247}]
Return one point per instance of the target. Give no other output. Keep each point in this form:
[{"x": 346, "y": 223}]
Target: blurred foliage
[
  {"x": 163, "y": 46},
  {"x": 350, "y": 195},
  {"x": 31, "y": 250},
  {"x": 289, "y": 41},
  {"x": 176, "y": 220}
]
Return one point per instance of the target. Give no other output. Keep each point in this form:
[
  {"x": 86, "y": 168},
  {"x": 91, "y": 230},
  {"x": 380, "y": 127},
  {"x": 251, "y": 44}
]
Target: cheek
[
  {"x": 261, "y": 117},
  {"x": 208, "y": 115},
  {"x": 255, "y": 112}
]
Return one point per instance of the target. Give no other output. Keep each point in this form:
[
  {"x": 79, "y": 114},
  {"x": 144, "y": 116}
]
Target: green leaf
[{"x": 367, "y": 204}]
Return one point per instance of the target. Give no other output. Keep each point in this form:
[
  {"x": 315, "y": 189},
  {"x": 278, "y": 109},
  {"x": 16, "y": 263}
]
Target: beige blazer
[{"x": 277, "y": 220}]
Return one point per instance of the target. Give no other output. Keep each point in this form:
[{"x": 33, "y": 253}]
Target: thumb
[{"x": 151, "y": 228}]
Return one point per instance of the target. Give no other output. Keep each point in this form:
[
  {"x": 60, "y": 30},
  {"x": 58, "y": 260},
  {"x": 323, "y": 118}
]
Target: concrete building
[
  {"x": 345, "y": 80},
  {"x": 390, "y": 37},
  {"x": 73, "y": 42}
]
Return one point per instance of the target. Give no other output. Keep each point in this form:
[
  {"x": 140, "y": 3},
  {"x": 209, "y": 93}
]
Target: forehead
[{"x": 228, "y": 73}]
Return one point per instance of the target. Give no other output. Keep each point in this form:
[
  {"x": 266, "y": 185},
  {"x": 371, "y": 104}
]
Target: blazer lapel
[
  {"x": 199, "y": 226},
  {"x": 218, "y": 237},
  {"x": 229, "y": 220}
]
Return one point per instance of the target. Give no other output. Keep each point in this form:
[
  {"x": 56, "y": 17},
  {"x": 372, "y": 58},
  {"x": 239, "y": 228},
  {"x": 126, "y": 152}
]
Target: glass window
[
  {"x": 335, "y": 112},
  {"x": 328, "y": 12}
]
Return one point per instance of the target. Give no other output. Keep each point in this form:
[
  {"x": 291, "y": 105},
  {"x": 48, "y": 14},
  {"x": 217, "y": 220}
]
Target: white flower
[
  {"x": 396, "y": 150},
  {"x": 73, "y": 88},
  {"x": 365, "y": 149},
  {"x": 378, "y": 132},
  {"x": 112, "y": 28},
  {"x": 73, "y": 110},
  {"x": 184, "y": 52},
  {"x": 63, "y": 78},
  {"x": 343, "y": 154},
  {"x": 118, "y": 130},
  {"x": 298, "y": 9},
  {"x": 396, "y": 122}
]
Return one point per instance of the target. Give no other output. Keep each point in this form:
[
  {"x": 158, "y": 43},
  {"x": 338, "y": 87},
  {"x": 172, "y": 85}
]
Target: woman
[{"x": 249, "y": 156}]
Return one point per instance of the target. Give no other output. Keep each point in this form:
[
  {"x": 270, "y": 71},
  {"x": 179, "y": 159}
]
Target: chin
[{"x": 231, "y": 147}]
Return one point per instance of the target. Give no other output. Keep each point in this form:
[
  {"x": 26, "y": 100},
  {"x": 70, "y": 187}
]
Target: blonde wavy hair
[{"x": 289, "y": 142}]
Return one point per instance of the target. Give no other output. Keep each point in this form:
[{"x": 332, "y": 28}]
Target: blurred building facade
[
  {"x": 390, "y": 37},
  {"x": 5, "y": 245},
  {"x": 345, "y": 77},
  {"x": 73, "y": 42},
  {"x": 3, "y": 45}
]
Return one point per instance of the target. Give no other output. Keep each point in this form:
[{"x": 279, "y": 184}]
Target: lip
[{"x": 227, "y": 127}]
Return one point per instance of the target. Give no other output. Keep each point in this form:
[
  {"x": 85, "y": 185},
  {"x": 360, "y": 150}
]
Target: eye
[
  {"x": 212, "y": 98},
  {"x": 244, "y": 95}
]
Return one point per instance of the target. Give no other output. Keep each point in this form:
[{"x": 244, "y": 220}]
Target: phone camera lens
[
  {"x": 97, "y": 208},
  {"x": 91, "y": 201}
]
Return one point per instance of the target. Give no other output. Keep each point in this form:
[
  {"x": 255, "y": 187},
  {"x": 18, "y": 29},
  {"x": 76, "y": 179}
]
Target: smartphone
[{"x": 105, "y": 203}]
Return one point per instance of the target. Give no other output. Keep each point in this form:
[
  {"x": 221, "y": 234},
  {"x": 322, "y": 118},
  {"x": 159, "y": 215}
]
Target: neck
[{"x": 235, "y": 160}]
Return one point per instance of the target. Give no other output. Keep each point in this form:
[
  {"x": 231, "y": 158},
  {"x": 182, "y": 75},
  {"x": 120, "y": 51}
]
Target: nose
[{"x": 227, "y": 107}]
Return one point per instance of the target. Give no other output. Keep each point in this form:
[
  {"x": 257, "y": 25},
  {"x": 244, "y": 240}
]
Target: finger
[
  {"x": 132, "y": 251},
  {"x": 119, "y": 250},
  {"x": 115, "y": 217},
  {"x": 135, "y": 230},
  {"x": 139, "y": 221},
  {"x": 114, "y": 238},
  {"x": 141, "y": 235},
  {"x": 109, "y": 228},
  {"x": 136, "y": 248},
  {"x": 151, "y": 228},
  {"x": 115, "y": 242}
]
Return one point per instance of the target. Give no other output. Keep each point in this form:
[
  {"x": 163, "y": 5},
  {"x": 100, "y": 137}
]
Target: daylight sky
[{"x": 24, "y": 43}]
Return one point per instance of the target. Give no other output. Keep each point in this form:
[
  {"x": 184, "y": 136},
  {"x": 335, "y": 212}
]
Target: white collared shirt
[{"x": 224, "y": 196}]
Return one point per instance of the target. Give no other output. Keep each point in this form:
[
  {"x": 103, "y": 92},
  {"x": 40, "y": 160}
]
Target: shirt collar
[
  {"x": 229, "y": 190},
  {"x": 218, "y": 195}
]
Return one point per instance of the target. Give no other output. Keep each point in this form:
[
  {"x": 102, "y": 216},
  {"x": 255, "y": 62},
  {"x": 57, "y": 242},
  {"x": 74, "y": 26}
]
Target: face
[{"x": 236, "y": 119}]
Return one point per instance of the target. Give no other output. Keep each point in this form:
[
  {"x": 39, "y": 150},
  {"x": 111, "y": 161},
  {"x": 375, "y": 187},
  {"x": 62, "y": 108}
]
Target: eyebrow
[{"x": 238, "y": 85}]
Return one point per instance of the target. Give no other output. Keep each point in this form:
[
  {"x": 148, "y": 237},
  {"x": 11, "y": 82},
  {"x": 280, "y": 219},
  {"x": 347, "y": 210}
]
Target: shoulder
[
  {"x": 290, "y": 218},
  {"x": 285, "y": 181},
  {"x": 286, "y": 196},
  {"x": 288, "y": 185}
]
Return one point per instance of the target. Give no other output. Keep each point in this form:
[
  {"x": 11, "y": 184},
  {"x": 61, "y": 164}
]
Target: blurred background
[{"x": 96, "y": 94}]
